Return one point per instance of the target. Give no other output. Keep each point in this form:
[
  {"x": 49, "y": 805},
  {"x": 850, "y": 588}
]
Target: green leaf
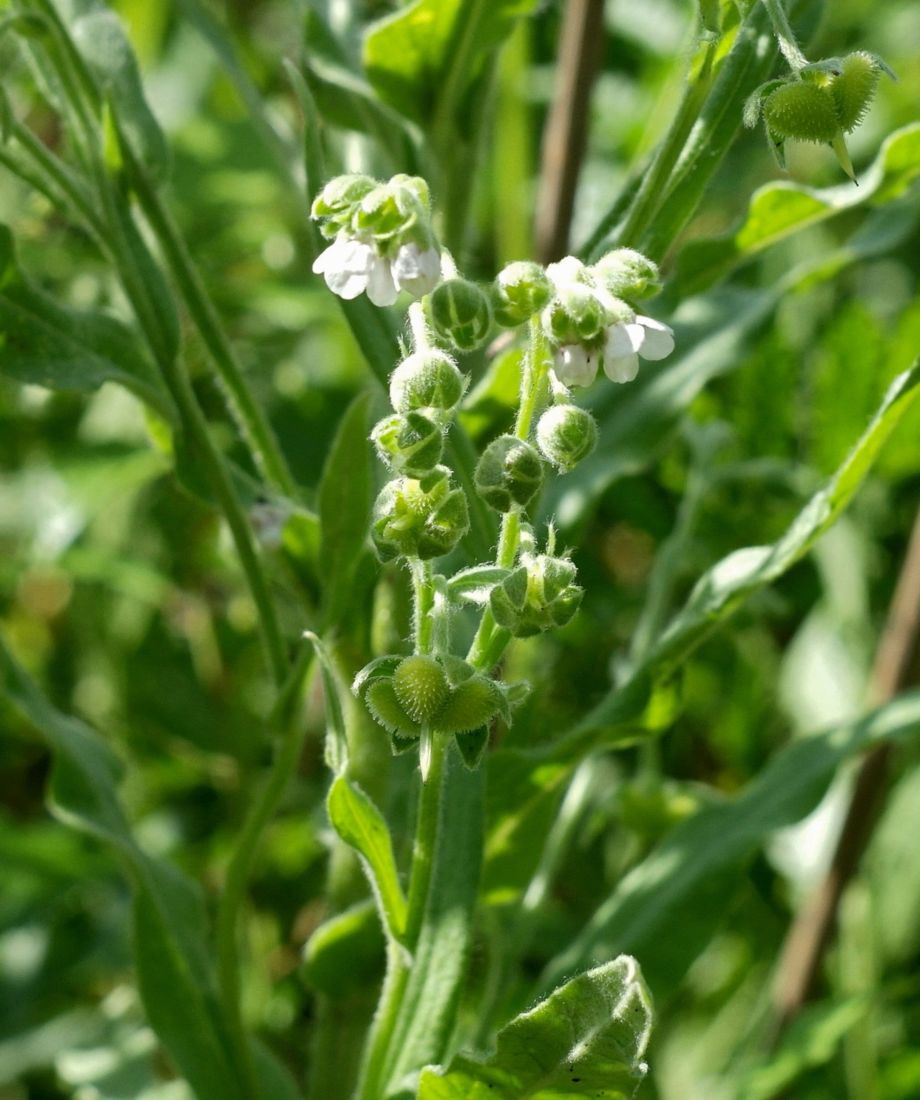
[
  {"x": 423, "y": 59},
  {"x": 711, "y": 16},
  {"x": 362, "y": 826},
  {"x": 667, "y": 907},
  {"x": 345, "y": 954},
  {"x": 100, "y": 40},
  {"x": 722, "y": 590},
  {"x": 586, "y": 1039},
  {"x": 336, "y": 748},
  {"x": 169, "y": 923},
  {"x": 782, "y": 208},
  {"x": 47, "y": 344},
  {"x": 345, "y": 499}
]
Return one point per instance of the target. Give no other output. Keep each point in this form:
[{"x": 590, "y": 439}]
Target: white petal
[
  {"x": 380, "y": 286},
  {"x": 346, "y": 284},
  {"x": 415, "y": 270},
  {"x": 621, "y": 368},
  {"x": 575, "y": 366},
  {"x": 346, "y": 266},
  {"x": 327, "y": 258},
  {"x": 623, "y": 340},
  {"x": 566, "y": 271},
  {"x": 659, "y": 339}
]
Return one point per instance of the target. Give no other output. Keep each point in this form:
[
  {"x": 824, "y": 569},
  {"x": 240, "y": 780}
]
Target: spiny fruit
[
  {"x": 421, "y": 687},
  {"x": 854, "y": 88},
  {"x": 801, "y": 111}
]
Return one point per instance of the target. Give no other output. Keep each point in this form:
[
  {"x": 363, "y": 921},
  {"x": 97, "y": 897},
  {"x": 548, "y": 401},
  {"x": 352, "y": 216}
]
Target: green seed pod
[
  {"x": 627, "y": 274},
  {"x": 566, "y": 434},
  {"x": 854, "y": 89},
  {"x": 427, "y": 380},
  {"x": 520, "y": 290},
  {"x": 509, "y": 473},
  {"x": 421, "y": 687},
  {"x": 419, "y": 518},
  {"x": 576, "y": 315},
  {"x": 384, "y": 707},
  {"x": 539, "y": 595},
  {"x": 461, "y": 314},
  {"x": 470, "y": 705},
  {"x": 340, "y": 196},
  {"x": 410, "y": 444},
  {"x": 801, "y": 111}
]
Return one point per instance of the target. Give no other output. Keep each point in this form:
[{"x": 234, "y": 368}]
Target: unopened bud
[
  {"x": 426, "y": 380},
  {"x": 566, "y": 434},
  {"x": 509, "y": 473},
  {"x": 627, "y": 274},
  {"x": 576, "y": 315},
  {"x": 461, "y": 314},
  {"x": 520, "y": 290},
  {"x": 339, "y": 197},
  {"x": 410, "y": 444}
]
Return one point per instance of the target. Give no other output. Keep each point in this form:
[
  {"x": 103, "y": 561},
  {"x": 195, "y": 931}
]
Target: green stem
[
  {"x": 426, "y": 828},
  {"x": 249, "y": 417},
  {"x": 423, "y": 605},
  {"x": 785, "y": 35},
  {"x": 647, "y": 199},
  {"x": 284, "y": 717}
]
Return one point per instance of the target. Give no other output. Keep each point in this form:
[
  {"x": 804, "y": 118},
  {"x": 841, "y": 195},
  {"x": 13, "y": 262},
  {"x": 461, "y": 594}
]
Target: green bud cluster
[
  {"x": 410, "y": 444},
  {"x": 520, "y": 290},
  {"x": 509, "y": 473},
  {"x": 427, "y": 381},
  {"x": 627, "y": 274},
  {"x": 419, "y": 518},
  {"x": 538, "y": 595},
  {"x": 442, "y": 693},
  {"x": 391, "y": 213},
  {"x": 460, "y": 314}
]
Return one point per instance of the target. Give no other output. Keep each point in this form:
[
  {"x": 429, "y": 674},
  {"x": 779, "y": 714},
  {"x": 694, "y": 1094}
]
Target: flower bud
[
  {"x": 565, "y": 435},
  {"x": 576, "y": 315},
  {"x": 461, "y": 314},
  {"x": 426, "y": 380},
  {"x": 421, "y": 687},
  {"x": 539, "y": 595},
  {"x": 801, "y": 111},
  {"x": 339, "y": 197},
  {"x": 410, "y": 444},
  {"x": 381, "y": 215},
  {"x": 509, "y": 473},
  {"x": 419, "y": 518},
  {"x": 854, "y": 89},
  {"x": 627, "y": 274},
  {"x": 520, "y": 290}
]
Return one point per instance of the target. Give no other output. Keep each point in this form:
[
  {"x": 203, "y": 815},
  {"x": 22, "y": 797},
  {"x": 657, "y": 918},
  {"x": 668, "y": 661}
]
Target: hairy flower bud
[
  {"x": 509, "y": 473},
  {"x": 410, "y": 444},
  {"x": 539, "y": 595},
  {"x": 565, "y": 435},
  {"x": 801, "y": 111},
  {"x": 520, "y": 290},
  {"x": 419, "y": 518},
  {"x": 576, "y": 315},
  {"x": 627, "y": 274},
  {"x": 427, "y": 380},
  {"x": 461, "y": 314},
  {"x": 338, "y": 199}
]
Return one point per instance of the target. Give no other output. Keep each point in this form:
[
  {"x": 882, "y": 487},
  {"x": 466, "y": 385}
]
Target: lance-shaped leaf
[
  {"x": 586, "y": 1039},
  {"x": 47, "y": 344},
  {"x": 169, "y": 923},
  {"x": 362, "y": 826},
  {"x": 782, "y": 208},
  {"x": 668, "y": 906},
  {"x": 722, "y": 590}
]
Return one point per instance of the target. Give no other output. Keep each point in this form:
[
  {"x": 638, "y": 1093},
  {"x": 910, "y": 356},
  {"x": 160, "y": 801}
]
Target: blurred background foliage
[{"x": 120, "y": 591}]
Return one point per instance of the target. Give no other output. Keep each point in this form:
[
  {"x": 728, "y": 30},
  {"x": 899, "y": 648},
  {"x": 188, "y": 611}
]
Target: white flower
[
  {"x": 626, "y": 341},
  {"x": 351, "y": 266},
  {"x": 416, "y": 270},
  {"x": 575, "y": 365}
]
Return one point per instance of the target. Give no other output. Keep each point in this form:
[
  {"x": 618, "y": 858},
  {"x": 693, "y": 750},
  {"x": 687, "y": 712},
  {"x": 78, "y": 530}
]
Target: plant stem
[
  {"x": 426, "y": 828},
  {"x": 785, "y": 35},
  {"x": 249, "y": 416},
  {"x": 284, "y": 718},
  {"x": 654, "y": 184}
]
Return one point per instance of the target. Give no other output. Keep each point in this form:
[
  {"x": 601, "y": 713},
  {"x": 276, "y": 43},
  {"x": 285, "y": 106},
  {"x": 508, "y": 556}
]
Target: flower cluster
[
  {"x": 382, "y": 240},
  {"x": 591, "y": 323}
]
